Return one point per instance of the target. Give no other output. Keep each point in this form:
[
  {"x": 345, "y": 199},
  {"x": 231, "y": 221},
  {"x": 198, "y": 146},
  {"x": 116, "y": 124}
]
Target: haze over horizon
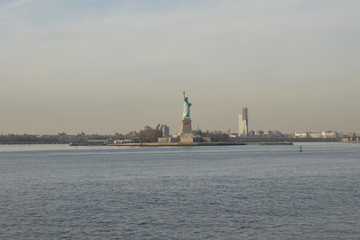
[{"x": 116, "y": 66}]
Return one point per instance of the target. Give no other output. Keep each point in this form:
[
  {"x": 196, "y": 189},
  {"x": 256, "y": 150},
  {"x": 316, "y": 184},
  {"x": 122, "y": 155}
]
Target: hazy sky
[{"x": 106, "y": 66}]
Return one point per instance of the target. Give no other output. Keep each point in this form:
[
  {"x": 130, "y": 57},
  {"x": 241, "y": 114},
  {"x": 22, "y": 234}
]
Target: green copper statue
[{"x": 187, "y": 106}]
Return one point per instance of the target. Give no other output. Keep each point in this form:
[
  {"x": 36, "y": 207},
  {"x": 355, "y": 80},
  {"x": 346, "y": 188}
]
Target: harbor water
[{"x": 220, "y": 192}]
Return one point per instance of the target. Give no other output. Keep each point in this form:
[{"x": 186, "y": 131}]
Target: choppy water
[{"x": 230, "y": 192}]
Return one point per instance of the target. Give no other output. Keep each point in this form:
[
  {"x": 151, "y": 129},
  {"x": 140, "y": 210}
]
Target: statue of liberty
[{"x": 187, "y": 106}]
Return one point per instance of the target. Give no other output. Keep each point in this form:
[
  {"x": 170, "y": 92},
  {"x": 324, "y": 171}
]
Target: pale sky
[{"x": 106, "y": 66}]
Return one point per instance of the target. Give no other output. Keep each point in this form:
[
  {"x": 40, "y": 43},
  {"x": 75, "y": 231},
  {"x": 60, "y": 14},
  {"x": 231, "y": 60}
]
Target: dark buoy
[{"x": 300, "y": 149}]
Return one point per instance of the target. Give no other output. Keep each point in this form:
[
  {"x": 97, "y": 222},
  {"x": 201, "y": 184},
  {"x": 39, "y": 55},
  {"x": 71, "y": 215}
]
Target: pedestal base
[{"x": 185, "y": 126}]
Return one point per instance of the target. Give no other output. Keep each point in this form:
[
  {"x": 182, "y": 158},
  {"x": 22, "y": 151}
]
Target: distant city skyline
[{"x": 116, "y": 66}]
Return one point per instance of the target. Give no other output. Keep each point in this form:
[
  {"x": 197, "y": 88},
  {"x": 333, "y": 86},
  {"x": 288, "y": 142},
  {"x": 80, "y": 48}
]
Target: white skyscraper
[{"x": 243, "y": 123}]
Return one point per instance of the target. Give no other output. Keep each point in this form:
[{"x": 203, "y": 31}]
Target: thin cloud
[{"x": 11, "y": 5}]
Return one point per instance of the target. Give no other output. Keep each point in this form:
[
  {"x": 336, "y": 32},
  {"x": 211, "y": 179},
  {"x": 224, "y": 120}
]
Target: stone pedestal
[
  {"x": 185, "y": 126},
  {"x": 186, "y": 133}
]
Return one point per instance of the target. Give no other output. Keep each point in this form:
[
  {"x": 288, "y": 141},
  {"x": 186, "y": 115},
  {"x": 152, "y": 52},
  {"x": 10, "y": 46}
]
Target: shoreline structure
[{"x": 189, "y": 144}]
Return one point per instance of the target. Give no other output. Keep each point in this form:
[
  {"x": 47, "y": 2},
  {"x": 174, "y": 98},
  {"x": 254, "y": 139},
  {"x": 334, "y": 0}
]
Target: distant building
[
  {"x": 317, "y": 135},
  {"x": 351, "y": 137},
  {"x": 244, "y": 123},
  {"x": 329, "y": 135},
  {"x": 165, "y": 130},
  {"x": 301, "y": 135},
  {"x": 123, "y": 141}
]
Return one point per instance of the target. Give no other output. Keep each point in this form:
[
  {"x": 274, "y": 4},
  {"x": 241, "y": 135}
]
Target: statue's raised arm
[{"x": 187, "y": 105}]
